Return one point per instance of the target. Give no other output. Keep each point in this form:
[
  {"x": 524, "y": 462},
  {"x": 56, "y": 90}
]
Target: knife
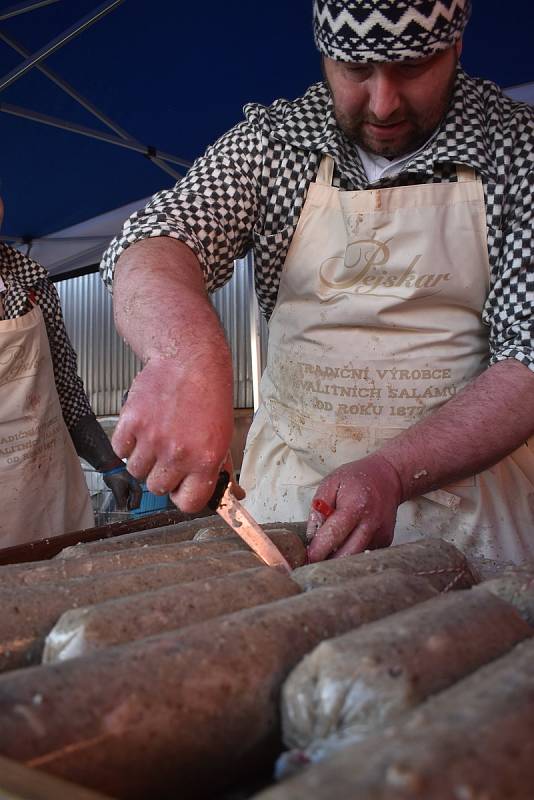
[{"x": 230, "y": 509}]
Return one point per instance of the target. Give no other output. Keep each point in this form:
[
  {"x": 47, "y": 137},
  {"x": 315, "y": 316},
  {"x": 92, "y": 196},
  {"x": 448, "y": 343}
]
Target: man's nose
[{"x": 384, "y": 97}]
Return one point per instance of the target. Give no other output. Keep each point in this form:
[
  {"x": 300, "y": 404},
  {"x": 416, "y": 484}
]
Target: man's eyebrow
[{"x": 416, "y": 61}]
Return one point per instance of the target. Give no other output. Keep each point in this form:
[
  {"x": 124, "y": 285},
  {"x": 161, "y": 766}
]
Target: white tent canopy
[
  {"x": 524, "y": 92},
  {"x": 80, "y": 245}
]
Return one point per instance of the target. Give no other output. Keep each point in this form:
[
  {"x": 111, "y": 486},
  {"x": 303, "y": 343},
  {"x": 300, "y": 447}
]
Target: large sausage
[
  {"x": 83, "y": 630},
  {"x": 29, "y": 613},
  {"x": 168, "y": 534},
  {"x": 211, "y": 532},
  {"x": 434, "y": 559},
  {"x": 183, "y": 712},
  {"x": 473, "y": 741},
  {"x": 354, "y": 684}
]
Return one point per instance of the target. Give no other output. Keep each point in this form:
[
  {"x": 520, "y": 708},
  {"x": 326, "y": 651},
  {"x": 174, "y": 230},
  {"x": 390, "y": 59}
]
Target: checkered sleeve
[
  {"x": 510, "y": 306},
  {"x": 213, "y": 209},
  {"x": 70, "y": 389}
]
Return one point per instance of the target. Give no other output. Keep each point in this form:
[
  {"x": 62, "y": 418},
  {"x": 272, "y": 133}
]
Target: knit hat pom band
[{"x": 387, "y": 30}]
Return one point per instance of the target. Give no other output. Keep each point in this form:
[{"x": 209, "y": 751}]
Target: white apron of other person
[
  {"x": 42, "y": 485},
  {"x": 377, "y": 321}
]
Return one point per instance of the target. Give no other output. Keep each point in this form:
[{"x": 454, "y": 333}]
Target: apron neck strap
[{"x": 325, "y": 173}]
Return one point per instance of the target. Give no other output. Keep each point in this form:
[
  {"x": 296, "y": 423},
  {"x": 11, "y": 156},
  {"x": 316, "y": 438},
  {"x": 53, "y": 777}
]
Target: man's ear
[{"x": 458, "y": 47}]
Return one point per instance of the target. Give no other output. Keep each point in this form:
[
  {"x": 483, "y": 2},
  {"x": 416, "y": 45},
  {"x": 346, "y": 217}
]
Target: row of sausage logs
[
  {"x": 57, "y": 570},
  {"x": 29, "y": 613},
  {"x": 353, "y": 685},
  {"x": 81, "y": 631},
  {"x": 203, "y": 529},
  {"x": 183, "y": 711},
  {"x": 434, "y": 559},
  {"x": 473, "y": 741}
]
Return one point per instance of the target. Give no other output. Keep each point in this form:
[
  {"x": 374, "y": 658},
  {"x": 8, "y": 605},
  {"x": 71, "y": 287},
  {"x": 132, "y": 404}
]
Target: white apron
[
  {"x": 378, "y": 321},
  {"x": 43, "y": 490}
]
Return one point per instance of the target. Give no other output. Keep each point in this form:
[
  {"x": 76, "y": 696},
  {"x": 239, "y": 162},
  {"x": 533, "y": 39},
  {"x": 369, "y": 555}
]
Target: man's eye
[
  {"x": 359, "y": 72},
  {"x": 414, "y": 66}
]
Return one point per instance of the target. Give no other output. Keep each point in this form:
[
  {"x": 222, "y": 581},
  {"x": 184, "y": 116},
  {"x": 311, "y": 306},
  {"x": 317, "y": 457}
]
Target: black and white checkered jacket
[
  {"x": 250, "y": 186},
  {"x": 27, "y": 284}
]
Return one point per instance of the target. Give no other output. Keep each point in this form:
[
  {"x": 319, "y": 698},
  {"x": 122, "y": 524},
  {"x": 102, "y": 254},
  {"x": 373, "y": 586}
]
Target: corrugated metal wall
[{"x": 108, "y": 366}]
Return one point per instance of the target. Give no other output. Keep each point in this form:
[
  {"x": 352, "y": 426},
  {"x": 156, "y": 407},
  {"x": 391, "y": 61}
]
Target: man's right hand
[
  {"x": 175, "y": 430},
  {"x": 176, "y": 426}
]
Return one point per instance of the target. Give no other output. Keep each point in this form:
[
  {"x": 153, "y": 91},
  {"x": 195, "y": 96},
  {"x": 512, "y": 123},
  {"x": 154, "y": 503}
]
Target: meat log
[
  {"x": 434, "y": 559},
  {"x": 83, "y": 630},
  {"x": 354, "y": 684},
  {"x": 474, "y": 740}
]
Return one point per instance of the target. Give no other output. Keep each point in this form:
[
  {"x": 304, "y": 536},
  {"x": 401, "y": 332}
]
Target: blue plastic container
[{"x": 152, "y": 503}]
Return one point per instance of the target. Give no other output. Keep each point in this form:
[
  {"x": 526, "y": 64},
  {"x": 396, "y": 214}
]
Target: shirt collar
[
  {"x": 462, "y": 137},
  {"x": 18, "y": 267}
]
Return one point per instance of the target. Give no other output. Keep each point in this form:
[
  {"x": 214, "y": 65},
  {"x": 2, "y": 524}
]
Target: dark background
[{"x": 175, "y": 75}]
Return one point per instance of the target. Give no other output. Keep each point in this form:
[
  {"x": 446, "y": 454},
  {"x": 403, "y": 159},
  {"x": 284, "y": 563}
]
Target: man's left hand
[
  {"x": 126, "y": 490},
  {"x": 364, "y": 496}
]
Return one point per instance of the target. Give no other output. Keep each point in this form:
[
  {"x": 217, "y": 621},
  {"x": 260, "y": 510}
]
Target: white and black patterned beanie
[{"x": 387, "y": 30}]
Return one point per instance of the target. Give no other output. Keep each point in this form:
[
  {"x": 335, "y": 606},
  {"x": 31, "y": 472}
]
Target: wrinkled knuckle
[
  {"x": 157, "y": 485},
  {"x": 136, "y": 467},
  {"x": 174, "y": 453}
]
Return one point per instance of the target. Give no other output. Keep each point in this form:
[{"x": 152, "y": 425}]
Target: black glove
[
  {"x": 126, "y": 489},
  {"x": 93, "y": 445}
]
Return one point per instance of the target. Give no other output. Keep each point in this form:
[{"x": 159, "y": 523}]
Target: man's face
[{"x": 392, "y": 108}]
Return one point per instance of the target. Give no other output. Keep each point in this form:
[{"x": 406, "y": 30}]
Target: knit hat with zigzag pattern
[{"x": 387, "y": 30}]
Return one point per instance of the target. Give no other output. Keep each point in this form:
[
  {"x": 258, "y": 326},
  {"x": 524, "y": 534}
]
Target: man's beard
[{"x": 421, "y": 128}]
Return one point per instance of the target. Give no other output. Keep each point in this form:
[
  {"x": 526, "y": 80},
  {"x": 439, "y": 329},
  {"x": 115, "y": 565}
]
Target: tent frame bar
[
  {"x": 130, "y": 144},
  {"x": 151, "y": 153},
  {"x": 255, "y": 336},
  {"x": 59, "y": 41},
  {"x": 23, "y": 8},
  {"x": 66, "y": 87}
]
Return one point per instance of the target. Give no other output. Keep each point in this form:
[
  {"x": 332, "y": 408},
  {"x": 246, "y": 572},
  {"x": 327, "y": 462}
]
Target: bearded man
[{"x": 390, "y": 212}]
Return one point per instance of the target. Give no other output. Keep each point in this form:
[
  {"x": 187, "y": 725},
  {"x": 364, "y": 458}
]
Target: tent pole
[
  {"x": 66, "y": 87},
  {"x": 71, "y": 91},
  {"x": 255, "y": 340},
  {"x": 22, "y": 8},
  {"x": 129, "y": 144},
  {"x": 59, "y": 41}
]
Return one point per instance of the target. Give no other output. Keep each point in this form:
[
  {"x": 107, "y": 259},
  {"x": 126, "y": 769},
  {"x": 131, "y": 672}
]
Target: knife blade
[{"x": 244, "y": 525}]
